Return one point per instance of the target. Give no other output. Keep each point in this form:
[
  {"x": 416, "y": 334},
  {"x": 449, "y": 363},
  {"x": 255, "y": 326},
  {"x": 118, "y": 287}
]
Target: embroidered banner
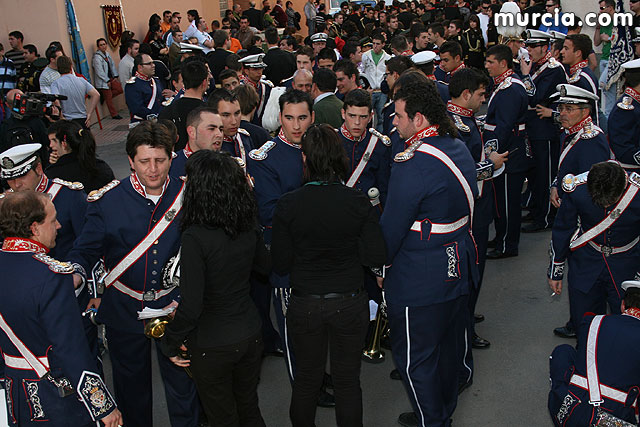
[{"x": 113, "y": 24}]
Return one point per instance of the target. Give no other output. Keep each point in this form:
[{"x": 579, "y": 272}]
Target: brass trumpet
[
  {"x": 372, "y": 352},
  {"x": 155, "y": 327}
]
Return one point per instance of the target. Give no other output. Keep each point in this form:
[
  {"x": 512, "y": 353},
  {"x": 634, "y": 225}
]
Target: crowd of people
[{"x": 330, "y": 169}]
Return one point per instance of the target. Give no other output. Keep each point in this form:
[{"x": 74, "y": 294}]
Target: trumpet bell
[
  {"x": 155, "y": 328},
  {"x": 373, "y": 355}
]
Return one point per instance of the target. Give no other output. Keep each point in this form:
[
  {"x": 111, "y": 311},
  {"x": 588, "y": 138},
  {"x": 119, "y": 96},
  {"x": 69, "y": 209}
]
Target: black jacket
[
  {"x": 68, "y": 168},
  {"x": 280, "y": 65}
]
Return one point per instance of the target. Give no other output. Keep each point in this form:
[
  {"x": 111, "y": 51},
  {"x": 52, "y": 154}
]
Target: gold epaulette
[
  {"x": 97, "y": 194},
  {"x": 570, "y": 182},
  {"x": 261, "y": 153},
  {"x": 55, "y": 265},
  {"x": 68, "y": 184},
  {"x": 408, "y": 153},
  {"x": 384, "y": 138},
  {"x": 244, "y": 131}
]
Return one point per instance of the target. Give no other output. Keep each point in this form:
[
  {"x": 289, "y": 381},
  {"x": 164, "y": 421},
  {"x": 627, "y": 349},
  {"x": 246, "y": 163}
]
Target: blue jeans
[
  {"x": 378, "y": 99},
  {"x": 608, "y": 99}
]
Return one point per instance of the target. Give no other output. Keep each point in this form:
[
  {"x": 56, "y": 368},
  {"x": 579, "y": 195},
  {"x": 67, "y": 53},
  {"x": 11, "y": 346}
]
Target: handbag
[{"x": 116, "y": 87}]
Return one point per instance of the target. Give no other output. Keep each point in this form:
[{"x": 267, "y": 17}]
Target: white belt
[
  {"x": 442, "y": 228},
  {"x": 608, "y": 250},
  {"x": 21, "y": 362},
  {"x": 491, "y": 128},
  {"x": 150, "y": 295},
  {"x": 606, "y": 391}
]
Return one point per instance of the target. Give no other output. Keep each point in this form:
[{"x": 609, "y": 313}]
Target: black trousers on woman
[
  {"x": 316, "y": 324},
  {"x": 226, "y": 378}
]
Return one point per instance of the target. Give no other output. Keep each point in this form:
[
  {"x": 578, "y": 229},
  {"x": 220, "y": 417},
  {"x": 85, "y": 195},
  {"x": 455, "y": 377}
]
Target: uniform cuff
[{"x": 95, "y": 396}]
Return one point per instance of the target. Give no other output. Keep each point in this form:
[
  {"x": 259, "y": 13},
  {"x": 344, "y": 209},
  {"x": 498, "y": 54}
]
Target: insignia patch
[
  {"x": 97, "y": 194},
  {"x": 170, "y": 215},
  {"x": 634, "y": 178},
  {"x": 37, "y": 412},
  {"x": 529, "y": 86},
  {"x": 490, "y": 146},
  {"x": 408, "y": 153},
  {"x": 460, "y": 124},
  {"x": 484, "y": 170},
  {"x": 7, "y": 163},
  {"x": 636, "y": 157},
  {"x": 261, "y": 153},
  {"x": 506, "y": 83},
  {"x": 452, "y": 262},
  {"x": 385, "y": 139},
  {"x": 244, "y": 131},
  {"x": 626, "y": 103},
  {"x": 72, "y": 185},
  {"x": 567, "y": 403},
  {"x": 55, "y": 265},
  {"x": 615, "y": 214},
  {"x": 94, "y": 394}
]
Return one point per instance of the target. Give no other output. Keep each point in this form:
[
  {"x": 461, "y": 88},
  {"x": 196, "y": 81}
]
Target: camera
[{"x": 35, "y": 104}]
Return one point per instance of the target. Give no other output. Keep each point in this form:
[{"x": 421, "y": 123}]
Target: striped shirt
[{"x": 7, "y": 75}]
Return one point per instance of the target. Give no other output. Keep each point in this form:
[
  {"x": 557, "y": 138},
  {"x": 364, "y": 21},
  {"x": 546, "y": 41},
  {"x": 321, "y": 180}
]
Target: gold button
[
  {"x": 155, "y": 252},
  {"x": 155, "y": 261}
]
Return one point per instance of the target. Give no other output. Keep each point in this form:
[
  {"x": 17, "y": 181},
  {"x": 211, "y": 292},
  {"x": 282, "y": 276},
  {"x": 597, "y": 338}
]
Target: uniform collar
[
  {"x": 587, "y": 121},
  {"x": 408, "y": 52},
  {"x": 633, "y": 312},
  {"x": 424, "y": 133},
  {"x": 142, "y": 76},
  {"x": 43, "y": 184},
  {"x": 458, "y": 68},
  {"x": 245, "y": 80},
  {"x": 579, "y": 66},
  {"x": 187, "y": 151},
  {"x": 544, "y": 59},
  {"x": 432, "y": 77},
  {"x": 19, "y": 244},
  {"x": 286, "y": 141},
  {"x": 632, "y": 93},
  {"x": 456, "y": 109},
  {"x": 137, "y": 185},
  {"x": 349, "y": 136},
  {"x": 502, "y": 77},
  {"x": 231, "y": 139}
]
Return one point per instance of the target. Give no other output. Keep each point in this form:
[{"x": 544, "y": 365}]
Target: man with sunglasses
[
  {"x": 552, "y": 7},
  {"x": 541, "y": 76},
  {"x": 143, "y": 91}
]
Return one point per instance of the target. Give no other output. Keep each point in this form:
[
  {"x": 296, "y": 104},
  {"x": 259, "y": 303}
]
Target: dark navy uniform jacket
[
  {"x": 142, "y": 99},
  {"x": 427, "y": 268},
  {"x": 388, "y": 113},
  {"x": 504, "y": 129},
  {"x": 469, "y": 133},
  {"x": 584, "y": 145},
  {"x": 540, "y": 86},
  {"x": 38, "y": 304},
  {"x": 397, "y": 144},
  {"x": 232, "y": 146},
  {"x": 580, "y": 75},
  {"x": 624, "y": 130},
  {"x": 117, "y": 220},
  {"x": 587, "y": 263},
  {"x": 276, "y": 168},
  {"x": 376, "y": 172},
  {"x": 179, "y": 161},
  {"x": 618, "y": 367}
]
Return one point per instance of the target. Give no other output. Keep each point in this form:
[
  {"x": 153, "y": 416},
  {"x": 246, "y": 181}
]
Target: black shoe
[
  {"x": 408, "y": 419},
  {"x": 496, "y": 254},
  {"x": 535, "y": 228},
  {"x": 463, "y": 387},
  {"x": 491, "y": 244},
  {"x": 479, "y": 343},
  {"x": 326, "y": 400},
  {"x": 479, "y": 318},
  {"x": 565, "y": 331},
  {"x": 527, "y": 218},
  {"x": 395, "y": 375},
  {"x": 327, "y": 381},
  {"x": 117, "y": 117}
]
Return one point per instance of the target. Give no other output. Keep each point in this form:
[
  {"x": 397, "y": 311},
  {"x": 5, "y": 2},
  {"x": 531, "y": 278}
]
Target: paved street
[{"x": 511, "y": 377}]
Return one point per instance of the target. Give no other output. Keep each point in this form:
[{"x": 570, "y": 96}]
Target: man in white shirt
[
  {"x": 125, "y": 67},
  {"x": 484, "y": 19},
  {"x": 374, "y": 68},
  {"x": 50, "y": 74},
  {"x": 204, "y": 38}
]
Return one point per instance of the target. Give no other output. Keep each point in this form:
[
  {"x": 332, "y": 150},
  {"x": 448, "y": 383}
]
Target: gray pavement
[{"x": 511, "y": 377}]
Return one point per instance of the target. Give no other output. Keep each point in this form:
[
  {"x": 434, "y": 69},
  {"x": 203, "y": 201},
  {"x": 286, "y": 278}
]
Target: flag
[
  {"x": 621, "y": 49},
  {"x": 77, "y": 50}
]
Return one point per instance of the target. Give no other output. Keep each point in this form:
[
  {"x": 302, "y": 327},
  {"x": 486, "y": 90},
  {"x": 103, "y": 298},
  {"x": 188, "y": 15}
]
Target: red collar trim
[
  {"x": 456, "y": 109},
  {"x": 544, "y": 58},
  {"x": 424, "y": 133},
  {"x": 633, "y": 312},
  {"x": 458, "y": 68},
  {"x": 142, "y": 76},
  {"x": 349, "y": 136},
  {"x": 137, "y": 185},
  {"x": 286, "y": 141},
  {"x": 19, "y": 244},
  {"x": 43, "y": 184},
  {"x": 502, "y": 77},
  {"x": 432, "y": 77},
  {"x": 187, "y": 151},
  {"x": 632, "y": 93},
  {"x": 579, "y": 66},
  {"x": 587, "y": 121},
  {"x": 245, "y": 80},
  {"x": 406, "y": 53}
]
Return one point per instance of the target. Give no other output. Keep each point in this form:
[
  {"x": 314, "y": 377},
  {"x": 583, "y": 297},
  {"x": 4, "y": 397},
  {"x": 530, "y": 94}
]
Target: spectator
[
  {"x": 8, "y": 74},
  {"x": 106, "y": 77},
  {"x": 16, "y": 39},
  {"x": 125, "y": 67},
  {"x": 473, "y": 38},
  {"x": 153, "y": 21},
  {"x": 483, "y": 17},
  {"x": 248, "y": 100},
  {"x": 168, "y": 36},
  {"x": 288, "y": 44},
  {"x": 195, "y": 77},
  {"x": 165, "y": 25},
  {"x": 245, "y": 33},
  {"x": 50, "y": 74},
  {"x": 303, "y": 80},
  {"x": 326, "y": 106},
  {"x": 174, "y": 49},
  {"x": 374, "y": 68},
  {"x": 551, "y": 6},
  {"x": 73, "y": 156},
  {"x": 124, "y": 41},
  {"x": 280, "y": 64},
  {"x": 326, "y": 58},
  {"x": 192, "y": 29},
  {"x": 347, "y": 75},
  {"x": 29, "y": 75},
  {"x": 254, "y": 17},
  {"x": 204, "y": 39},
  {"x": 218, "y": 57},
  {"x": 75, "y": 89},
  {"x": 310, "y": 14},
  {"x": 602, "y": 37},
  {"x": 293, "y": 17},
  {"x": 265, "y": 16},
  {"x": 229, "y": 79},
  {"x": 158, "y": 48}
]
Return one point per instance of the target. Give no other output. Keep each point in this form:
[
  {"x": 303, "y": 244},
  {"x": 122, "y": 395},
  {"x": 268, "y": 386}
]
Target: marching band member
[
  {"x": 237, "y": 140},
  {"x": 143, "y": 92},
  {"x": 252, "y": 69},
  {"x": 624, "y": 120}
]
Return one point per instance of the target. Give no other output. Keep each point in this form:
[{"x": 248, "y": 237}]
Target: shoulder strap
[
  {"x": 148, "y": 240},
  {"x": 31, "y": 359},
  {"x": 595, "y": 398},
  {"x": 363, "y": 161},
  {"x": 53, "y": 190}
]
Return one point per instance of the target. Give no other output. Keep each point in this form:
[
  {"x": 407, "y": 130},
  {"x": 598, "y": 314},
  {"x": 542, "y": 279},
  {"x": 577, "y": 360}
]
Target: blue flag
[
  {"x": 621, "y": 50},
  {"x": 77, "y": 50}
]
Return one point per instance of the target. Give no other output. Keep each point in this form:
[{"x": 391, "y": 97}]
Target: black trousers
[
  {"x": 227, "y": 381},
  {"x": 315, "y": 325}
]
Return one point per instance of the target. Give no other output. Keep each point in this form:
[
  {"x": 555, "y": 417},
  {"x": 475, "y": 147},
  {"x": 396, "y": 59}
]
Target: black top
[
  {"x": 68, "y": 168},
  {"x": 259, "y": 135},
  {"x": 216, "y": 308},
  {"x": 177, "y": 111},
  {"x": 323, "y": 235},
  {"x": 217, "y": 60},
  {"x": 280, "y": 65}
]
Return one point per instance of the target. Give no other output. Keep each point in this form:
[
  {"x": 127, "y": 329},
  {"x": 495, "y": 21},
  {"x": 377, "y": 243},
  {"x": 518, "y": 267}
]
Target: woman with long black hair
[
  {"x": 217, "y": 320},
  {"x": 323, "y": 235},
  {"x": 73, "y": 156}
]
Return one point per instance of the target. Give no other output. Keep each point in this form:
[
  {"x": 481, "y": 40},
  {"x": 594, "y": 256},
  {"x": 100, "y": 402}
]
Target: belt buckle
[
  {"x": 149, "y": 296},
  {"x": 606, "y": 250}
]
